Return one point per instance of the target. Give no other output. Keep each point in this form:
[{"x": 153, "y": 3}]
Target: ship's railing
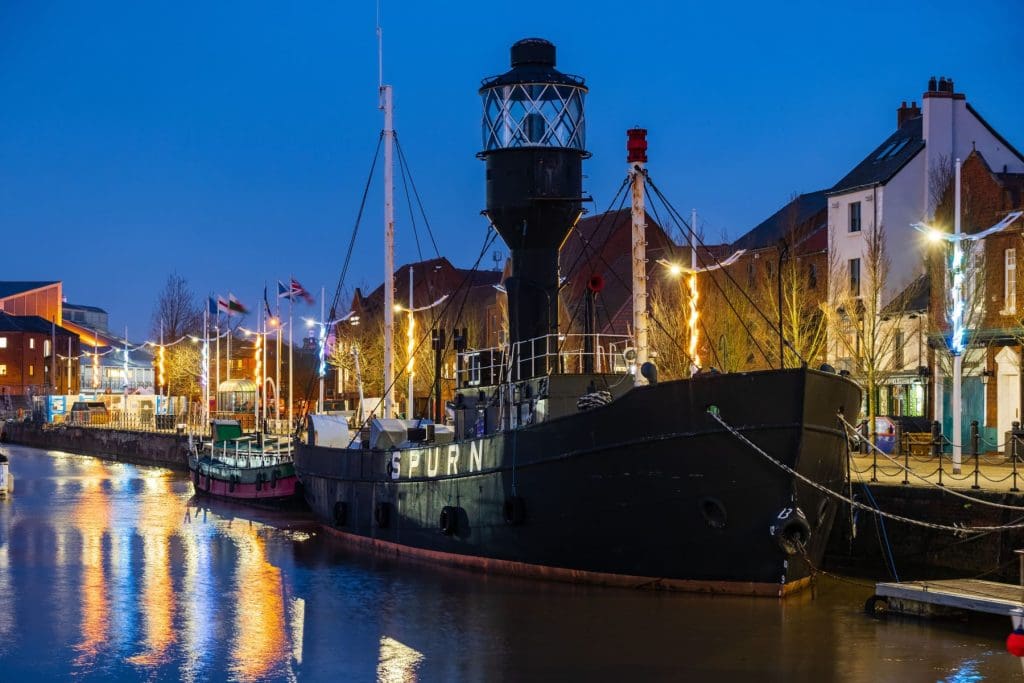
[
  {"x": 565, "y": 354},
  {"x": 246, "y": 452}
]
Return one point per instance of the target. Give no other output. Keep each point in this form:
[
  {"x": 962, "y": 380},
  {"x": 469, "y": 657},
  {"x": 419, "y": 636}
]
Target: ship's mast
[
  {"x": 389, "y": 232},
  {"x": 636, "y": 147}
]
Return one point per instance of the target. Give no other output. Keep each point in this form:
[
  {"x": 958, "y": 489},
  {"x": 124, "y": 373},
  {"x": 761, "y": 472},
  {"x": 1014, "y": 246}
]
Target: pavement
[{"x": 990, "y": 471}]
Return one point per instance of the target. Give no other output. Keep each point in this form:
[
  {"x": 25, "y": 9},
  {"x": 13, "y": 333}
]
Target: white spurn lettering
[
  {"x": 476, "y": 456},
  {"x": 433, "y": 464}
]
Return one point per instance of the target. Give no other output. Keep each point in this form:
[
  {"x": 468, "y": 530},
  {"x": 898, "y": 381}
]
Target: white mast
[
  {"x": 637, "y": 161},
  {"x": 389, "y": 232}
]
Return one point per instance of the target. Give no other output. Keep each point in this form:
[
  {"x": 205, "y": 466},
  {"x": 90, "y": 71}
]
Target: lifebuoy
[
  {"x": 382, "y": 514},
  {"x": 514, "y": 510},
  {"x": 449, "y": 520},
  {"x": 340, "y": 513},
  {"x": 791, "y": 530}
]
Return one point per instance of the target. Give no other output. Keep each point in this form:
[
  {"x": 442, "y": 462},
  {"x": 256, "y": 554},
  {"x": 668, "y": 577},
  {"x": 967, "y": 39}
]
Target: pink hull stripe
[{"x": 217, "y": 487}]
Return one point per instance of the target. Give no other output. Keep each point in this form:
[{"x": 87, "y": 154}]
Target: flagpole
[
  {"x": 216, "y": 327},
  {"x": 256, "y": 358},
  {"x": 323, "y": 349},
  {"x": 263, "y": 367},
  {"x": 206, "y": 364},
  {"x": 291, "y": 345},
  {"x": 228, "y": 371},
  {"x": 277, "y": 376}
]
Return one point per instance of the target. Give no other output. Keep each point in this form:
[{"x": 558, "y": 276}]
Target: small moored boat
[{"x": 243, "y": 466}]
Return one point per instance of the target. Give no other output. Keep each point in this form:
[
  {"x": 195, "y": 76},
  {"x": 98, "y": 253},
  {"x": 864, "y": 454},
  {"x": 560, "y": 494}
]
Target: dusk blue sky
[{"x": 230, "y": 141}]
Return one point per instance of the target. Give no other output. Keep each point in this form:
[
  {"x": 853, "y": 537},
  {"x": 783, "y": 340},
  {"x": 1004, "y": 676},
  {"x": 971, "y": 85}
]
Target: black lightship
[{"x": 565, "y": 466}]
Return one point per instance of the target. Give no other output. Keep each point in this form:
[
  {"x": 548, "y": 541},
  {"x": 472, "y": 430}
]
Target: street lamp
[
  {"x": 322, "y": 345},
  {"x": 958, "y": 336},
  {"x": 410, "y": 342},
  {"x": 678, "y": 270}
]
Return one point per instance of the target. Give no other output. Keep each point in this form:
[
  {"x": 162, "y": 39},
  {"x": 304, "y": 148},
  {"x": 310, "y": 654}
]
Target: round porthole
[{"x": 714, "y": 513}]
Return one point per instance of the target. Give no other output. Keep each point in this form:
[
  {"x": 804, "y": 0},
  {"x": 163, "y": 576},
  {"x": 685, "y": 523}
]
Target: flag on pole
[
  {"x": 293, "y": 291},
  {"x": 219, "y": 305},
  {"x": 235, "y": 306},
  {"x": 266, "y": 305}
]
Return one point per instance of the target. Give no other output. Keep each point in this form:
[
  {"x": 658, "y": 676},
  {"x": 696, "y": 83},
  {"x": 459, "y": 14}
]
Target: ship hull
[
  {"x": 271, "y": 484},
  {"x": 647, "y": 490}
]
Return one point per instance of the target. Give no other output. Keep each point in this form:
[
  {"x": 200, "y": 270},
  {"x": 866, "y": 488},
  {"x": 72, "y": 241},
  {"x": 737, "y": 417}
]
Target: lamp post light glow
[
  {"x": 958, "y": 329},
  {"x": 693, "y": 319}
]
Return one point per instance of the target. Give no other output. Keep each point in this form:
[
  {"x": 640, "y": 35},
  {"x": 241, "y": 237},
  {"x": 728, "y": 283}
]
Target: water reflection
[
  {"x": 259, "y": 644},
  {"x": 398, "y": 662},
  {"x": 159, "y": 516},
  {"x": 91, "y": 518},
  {"x": 114, "y": 572}
]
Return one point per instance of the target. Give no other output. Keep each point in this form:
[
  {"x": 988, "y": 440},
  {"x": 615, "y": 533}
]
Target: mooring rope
[{"x": 854, "y": 503}]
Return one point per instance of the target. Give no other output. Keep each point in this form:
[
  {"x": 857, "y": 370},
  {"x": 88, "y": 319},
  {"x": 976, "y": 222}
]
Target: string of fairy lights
[{"x": 124, "y": 347}]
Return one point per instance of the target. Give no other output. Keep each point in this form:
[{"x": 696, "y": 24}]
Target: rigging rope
[
  {"x": 682, "y": 222},
  {"x": 742, "y": 321},
  {"x": 416, "y": 193}
]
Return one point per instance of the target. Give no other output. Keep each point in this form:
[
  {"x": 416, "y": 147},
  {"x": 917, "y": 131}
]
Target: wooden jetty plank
[{"x": 973, "y": 595}]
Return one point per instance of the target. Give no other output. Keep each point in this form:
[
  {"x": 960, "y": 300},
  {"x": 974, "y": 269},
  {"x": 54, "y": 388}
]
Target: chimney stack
[{"x": 905, "y": 113}]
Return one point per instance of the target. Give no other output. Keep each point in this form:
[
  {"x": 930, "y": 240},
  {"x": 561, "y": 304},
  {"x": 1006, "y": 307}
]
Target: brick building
[{"x": 34, "y": 357}]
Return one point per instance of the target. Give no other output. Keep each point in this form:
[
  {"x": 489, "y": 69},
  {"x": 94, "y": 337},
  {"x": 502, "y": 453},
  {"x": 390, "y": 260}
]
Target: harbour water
[{"x": 111, "y": 571}]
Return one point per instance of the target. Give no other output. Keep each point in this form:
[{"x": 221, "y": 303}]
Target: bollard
[
  {"x": 937, "y": 446},
  {"x": 974, "y": 447},
  {"x": 906, "y": 465},
  {"x": 874, "y": 460},
  {"x": 1013, "y": 455}
]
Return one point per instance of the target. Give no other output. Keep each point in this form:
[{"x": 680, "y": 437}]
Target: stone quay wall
[
  {"x": 882, "y": 547},
  {"x": 140, "y": 448}
]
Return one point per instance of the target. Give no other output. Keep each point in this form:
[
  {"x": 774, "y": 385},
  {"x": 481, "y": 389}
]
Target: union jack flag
[{"x": 293, "y": 292}]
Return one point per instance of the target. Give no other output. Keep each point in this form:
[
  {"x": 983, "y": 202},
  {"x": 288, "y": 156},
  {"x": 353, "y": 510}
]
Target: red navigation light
[
  {"x": 596, "y": 283},
  {"x": 636, "y": 145}
]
